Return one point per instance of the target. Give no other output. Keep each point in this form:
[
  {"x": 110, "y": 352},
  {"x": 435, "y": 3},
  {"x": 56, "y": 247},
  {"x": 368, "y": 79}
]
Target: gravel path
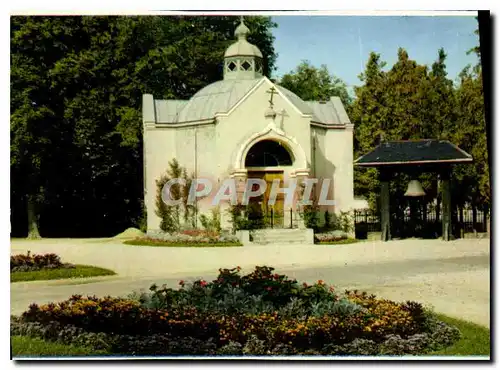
[
  {"x": 141, "y": 261},
  {"x": 453, "y": 277}
]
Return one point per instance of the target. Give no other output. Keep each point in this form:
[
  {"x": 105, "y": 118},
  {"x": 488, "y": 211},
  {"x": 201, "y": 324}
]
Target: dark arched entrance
[
  {"x": 265, "y": 160},
  {"x": 268, "y": 153}
]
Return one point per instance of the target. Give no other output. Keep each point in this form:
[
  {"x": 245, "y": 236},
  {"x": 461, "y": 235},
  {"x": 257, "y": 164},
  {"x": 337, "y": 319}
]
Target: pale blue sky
[{"x": 343, "y": 43}]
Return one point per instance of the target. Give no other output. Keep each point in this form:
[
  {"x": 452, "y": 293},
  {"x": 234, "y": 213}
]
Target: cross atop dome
[{"x": 242, "y": 30}]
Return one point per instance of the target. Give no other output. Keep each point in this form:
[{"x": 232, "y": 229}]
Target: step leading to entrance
[{"x": 283, "y": 236}]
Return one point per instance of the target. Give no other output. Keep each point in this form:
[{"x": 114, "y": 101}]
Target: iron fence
[
  {"x": 425, "y": 222},
  {"x": 273, "y": 219}
]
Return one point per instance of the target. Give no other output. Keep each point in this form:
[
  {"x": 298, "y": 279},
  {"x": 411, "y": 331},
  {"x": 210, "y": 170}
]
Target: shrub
[
  {"x": 260, "y": 291},
  {"x": 174, "y": 216},
  {"x": 330, "y": 236},
  {"x": 247, "y": 217},
  {"x": 328, "y": 220},
  {"x": 310, "y": 216},
  {"x": 232, "y": 348},
  {"x": 192, "y": 236},
  {"x": 55, "y": 331},
  {"x": 36, "y": 262},
  {"x": 211, "y": 224},
  {"x": 345, "y": 221},
  {"x": 254, "y": 346}
]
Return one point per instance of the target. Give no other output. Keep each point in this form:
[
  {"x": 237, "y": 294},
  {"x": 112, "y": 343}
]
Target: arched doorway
[
  {"x": 267, "y": 160},
  {"x": 268, "y": 153}
]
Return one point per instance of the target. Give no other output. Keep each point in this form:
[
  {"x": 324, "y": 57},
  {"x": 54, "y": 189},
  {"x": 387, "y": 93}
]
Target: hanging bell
[{"x": 414, "y": 189}]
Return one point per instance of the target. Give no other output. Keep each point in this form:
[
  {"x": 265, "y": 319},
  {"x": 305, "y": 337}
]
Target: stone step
[
  {"x": 279, "y": 232},
  {"x": 283, "y": 236},
  {"x": 278, "y": 236},
  {"x": 288, "y": 242}
]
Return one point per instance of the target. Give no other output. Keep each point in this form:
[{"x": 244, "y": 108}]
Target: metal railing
[
  {"x": 274, "y": 219},
  {"x": 427, "y": 222}
]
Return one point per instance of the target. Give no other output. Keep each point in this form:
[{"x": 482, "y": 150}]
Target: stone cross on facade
[
  {"x": 271, "y": 91},
  {"x": 283, "y": 114}
]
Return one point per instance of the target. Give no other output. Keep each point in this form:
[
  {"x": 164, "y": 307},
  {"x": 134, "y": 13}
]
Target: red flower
[
  {"x": 203, "y": 283},
  {"x": 238, "y": 268},
  {"x": 321, "y": 282},
  {"x": 304, "y": 285},
  {"x": 181, "y": 282},
  {"x": 332, "y": 289},
  {"x": 276, "y": 276},
  {"x": 269, "y": 288}
]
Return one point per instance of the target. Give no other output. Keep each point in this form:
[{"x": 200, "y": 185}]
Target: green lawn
[
  {"x": 34, "y": 347},
  {"x": 475, "y": 339},
  {"x": 160, "y": 243},
  {"x": 343, "y": 241},
  {"x": 80, "y": 271}
]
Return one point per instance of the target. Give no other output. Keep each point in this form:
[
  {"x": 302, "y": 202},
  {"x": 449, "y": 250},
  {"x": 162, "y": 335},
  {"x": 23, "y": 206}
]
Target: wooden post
[
  {"x": 424, "y": 211},
  {"x": 385, "y": 216},
  {"x": 413, "y": 216},
  {"x": 438, "y": 201},
  {"x": 446, "y": 197},
  {"x": 461, "y": 218}
]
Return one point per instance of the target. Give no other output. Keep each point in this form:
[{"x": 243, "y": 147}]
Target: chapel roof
[
  {"x": 403, "y": 152},
  {"x": 329, "y": 112},
  {"x": 242, "y": 72},
  {"x": 222, "y": 96},
  {"x": 218, "y": 97}
]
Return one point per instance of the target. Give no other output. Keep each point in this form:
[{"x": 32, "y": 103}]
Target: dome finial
[{"x": 242, "y": 30}]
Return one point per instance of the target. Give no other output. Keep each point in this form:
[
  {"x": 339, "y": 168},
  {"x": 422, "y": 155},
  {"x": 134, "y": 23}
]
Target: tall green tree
[
  {"x": 369, "y": 110},
  {"x": 406, "y": 102},
  {"x": 36, "y": 110},
  {"x": 406, "y": 81},
  {"x": 77, "y": 84},
  {"x": 369, "y": 113},
  {"x": 470, "y": 135},
  {"x": 315, "y": 84},
  {"x": 472, "y": 182}
]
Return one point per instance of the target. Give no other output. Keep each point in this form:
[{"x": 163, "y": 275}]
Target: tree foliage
[
  {"x": 77, "y": 83},
  {"x": 412, "y": 101},
  {"x": 315, "y": 84},
  {"x": 174, "y": 217},
  {"x": 76, "y": 132}
]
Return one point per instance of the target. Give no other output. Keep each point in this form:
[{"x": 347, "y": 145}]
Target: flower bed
[
  {"x": 187, "y": 238},
  {"x": 36, "y": 262},
  {"x": 262, "y": 313},
  {"x": 331, "y": 237},
  {"x": 27, "y": 267}
]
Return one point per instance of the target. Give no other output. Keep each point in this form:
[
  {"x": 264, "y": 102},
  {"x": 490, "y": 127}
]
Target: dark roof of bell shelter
[{"x": 401, "y": 152}]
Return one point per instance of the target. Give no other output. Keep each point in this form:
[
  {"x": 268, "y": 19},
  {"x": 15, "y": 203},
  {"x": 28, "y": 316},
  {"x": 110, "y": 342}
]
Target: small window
[
  {"x": 246, "y": 66},
  {"x": 258, "y": 66},
  {"x": 231, "y": 66}
]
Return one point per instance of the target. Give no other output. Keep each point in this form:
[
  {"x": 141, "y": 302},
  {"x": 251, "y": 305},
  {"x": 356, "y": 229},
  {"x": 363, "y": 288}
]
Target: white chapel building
[{"x": 246, "y": 126}]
